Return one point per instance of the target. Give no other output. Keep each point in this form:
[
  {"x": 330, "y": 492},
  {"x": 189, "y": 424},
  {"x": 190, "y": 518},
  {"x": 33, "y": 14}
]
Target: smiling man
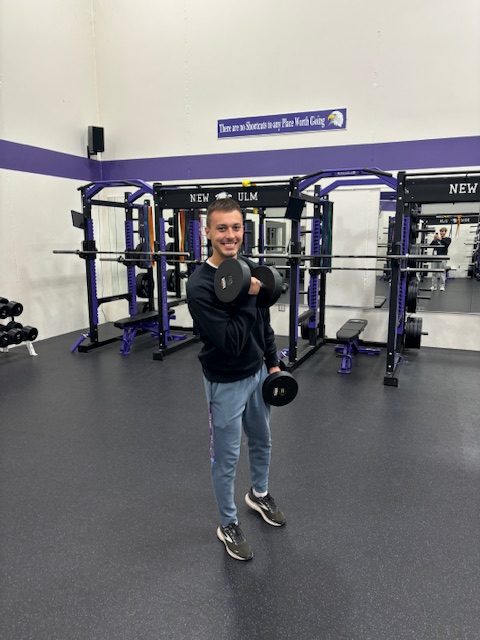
[{"x": 238, "y": 353}]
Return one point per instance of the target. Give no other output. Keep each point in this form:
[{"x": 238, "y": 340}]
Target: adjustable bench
[
  {"x": 348, "y": 336},
  {"x": 143, "y": 323}
]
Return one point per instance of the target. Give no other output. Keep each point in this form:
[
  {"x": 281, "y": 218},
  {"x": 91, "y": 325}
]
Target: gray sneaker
[
  {"x": 235, "y": 543},
  {"x": 267, "y": 508}
]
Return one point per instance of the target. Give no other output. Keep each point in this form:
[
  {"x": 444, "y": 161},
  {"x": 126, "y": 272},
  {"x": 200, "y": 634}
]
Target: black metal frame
[
  {"x": 85, "y": 222},
  {"x": 262, "y": 195}
]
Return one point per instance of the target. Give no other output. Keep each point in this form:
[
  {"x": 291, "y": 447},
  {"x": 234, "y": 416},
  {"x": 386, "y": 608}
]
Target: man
[
  {"x": 440, "y": 244},
  {"x": 238, "y": 353}
]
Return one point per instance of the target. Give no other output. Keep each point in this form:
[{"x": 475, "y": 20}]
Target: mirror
[{"x": 457, "y": 290}]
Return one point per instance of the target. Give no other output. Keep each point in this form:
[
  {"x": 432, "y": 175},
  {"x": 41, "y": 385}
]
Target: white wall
[
  {"x": 47, "y": 71},
  {"x": 355, "y": 229},
  {"x": 158, "y": 75},
  {"x": 35, "y": 220},
  {"x": 408, "y": 71},
  {"x": 48, "y": 98}
]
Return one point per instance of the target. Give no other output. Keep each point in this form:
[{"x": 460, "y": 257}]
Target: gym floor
[{"x": 107, "y": 527}]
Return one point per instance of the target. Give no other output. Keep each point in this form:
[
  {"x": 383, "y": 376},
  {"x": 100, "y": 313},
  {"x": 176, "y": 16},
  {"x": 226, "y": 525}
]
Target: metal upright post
[
  {"x": 130, "y": 245},
  {"x": 90, "y": 269},
  {"x": 393, "y": 318},
  {"x": 161, "y": 281},
  {"x": 294, "y": 288}
]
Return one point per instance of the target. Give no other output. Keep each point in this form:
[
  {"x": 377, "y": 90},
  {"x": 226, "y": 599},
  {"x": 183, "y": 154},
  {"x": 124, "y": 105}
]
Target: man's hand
[
  {"x": 274, "y": 370},
  {"x": 255, "y": 286}
]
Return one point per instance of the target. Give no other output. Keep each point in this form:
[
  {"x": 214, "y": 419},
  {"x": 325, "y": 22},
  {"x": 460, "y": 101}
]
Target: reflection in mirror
[{"x": 451, "y": 229}]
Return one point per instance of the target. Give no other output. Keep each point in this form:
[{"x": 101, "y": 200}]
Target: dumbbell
[
  {"x": 9, "y": 308},
  {"x": 279, "y": 388},
  {"x": 13, "y": 336},
  {"x": 233, "y": 278},
  {"x": 28, "y": 332}
]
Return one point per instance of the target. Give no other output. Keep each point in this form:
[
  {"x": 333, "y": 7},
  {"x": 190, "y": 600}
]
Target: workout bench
[
  {"x": 143, "y": 323},
  {"x": 348, "y": 335}
]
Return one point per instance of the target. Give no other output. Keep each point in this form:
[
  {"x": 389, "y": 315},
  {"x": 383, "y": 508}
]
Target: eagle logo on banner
[{"x": 335, "y": 118}]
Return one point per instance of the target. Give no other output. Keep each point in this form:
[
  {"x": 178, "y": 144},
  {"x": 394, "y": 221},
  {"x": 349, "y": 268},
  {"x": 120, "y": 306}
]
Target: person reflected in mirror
[{"x": 440, "y": 244}]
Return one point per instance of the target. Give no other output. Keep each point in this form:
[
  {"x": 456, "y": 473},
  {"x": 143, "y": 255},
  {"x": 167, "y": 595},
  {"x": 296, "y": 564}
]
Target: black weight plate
[
  {"x": 304, "y": 329},
  {"x": 413, "y": 333},
  {"x": 171, "y": 280},
  {"x": 232, "y": 280},
  {"x": 271, "y": 285},
  {"x": 144, "y": 285},
  {"x": 143, "y": 261},
  {"x": 279, "y": 389},
  {"x": 412, "y": 293}
]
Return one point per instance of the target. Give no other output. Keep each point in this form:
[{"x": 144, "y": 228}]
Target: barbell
[
  {"x": 81, "y": 253},
  {"x": 302, "y": 256},
  {"x": 131, "y": 257}
]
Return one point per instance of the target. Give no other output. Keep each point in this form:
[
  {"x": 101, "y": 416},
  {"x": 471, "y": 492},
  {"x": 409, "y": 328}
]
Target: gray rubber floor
[{"x": 107, "y": 527}]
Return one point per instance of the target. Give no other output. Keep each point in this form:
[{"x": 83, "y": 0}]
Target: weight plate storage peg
[
  {"x": 279, "y": 388},
  {"x": 232, "y": 280},
  {"x": 413, "y": 333}
]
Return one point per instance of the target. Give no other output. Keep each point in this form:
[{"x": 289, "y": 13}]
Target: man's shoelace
[{"x": 235, "y": 533}]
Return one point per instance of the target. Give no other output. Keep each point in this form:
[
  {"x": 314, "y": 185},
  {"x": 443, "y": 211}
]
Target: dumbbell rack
[{"x": 11, "y": 309}]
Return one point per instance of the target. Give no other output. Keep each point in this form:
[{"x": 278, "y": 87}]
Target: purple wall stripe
[
  {"x": 23, "y": 157},
  {"x": 416, "y": 154},
  {"x": 413, "y": 154}
]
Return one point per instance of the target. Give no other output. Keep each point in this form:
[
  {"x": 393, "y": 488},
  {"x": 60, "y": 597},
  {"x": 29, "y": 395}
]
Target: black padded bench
[
  {"x": 133, "y": 321},
  {"x": 348, "y": 335}
]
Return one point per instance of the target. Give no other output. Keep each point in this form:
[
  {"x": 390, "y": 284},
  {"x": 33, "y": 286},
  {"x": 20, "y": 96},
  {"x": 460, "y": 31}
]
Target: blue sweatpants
[{"x": 233, "y": 405}]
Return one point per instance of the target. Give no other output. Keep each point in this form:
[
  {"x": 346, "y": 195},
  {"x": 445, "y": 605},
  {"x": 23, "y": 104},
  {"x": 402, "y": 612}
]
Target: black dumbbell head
[
  {"x": 279, "y": 389},
  {"x": 271, "y": 285},
  {"x": 232, "y": 280}
]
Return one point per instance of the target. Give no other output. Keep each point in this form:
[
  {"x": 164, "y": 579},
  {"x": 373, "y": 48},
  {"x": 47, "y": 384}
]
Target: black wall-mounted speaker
[{"x": 96, "y": 141}]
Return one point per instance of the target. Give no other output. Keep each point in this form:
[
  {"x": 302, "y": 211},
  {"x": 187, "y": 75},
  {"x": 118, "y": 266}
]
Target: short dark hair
[{"x": 222, "y": 204}]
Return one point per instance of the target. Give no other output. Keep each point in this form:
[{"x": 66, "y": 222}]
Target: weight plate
[
  {"x": 144, "y": 285},
  {"x": 412, "y": 293},
  {"x": 413, "y": 333},
  {"x": 232, "y": 280},
  {"x": 304, "y": 329}
]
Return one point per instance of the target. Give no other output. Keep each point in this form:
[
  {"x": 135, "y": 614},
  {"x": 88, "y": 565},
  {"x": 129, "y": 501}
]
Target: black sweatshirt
[
  {"x": 237, "y": 338},
  {"x": 440, "y": 247}
]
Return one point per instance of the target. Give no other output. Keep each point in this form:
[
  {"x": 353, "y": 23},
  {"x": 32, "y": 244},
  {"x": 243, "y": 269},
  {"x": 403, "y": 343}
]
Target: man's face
[
  {"x": 225, "y": 232},
  {"x": 442, "y": 233}
]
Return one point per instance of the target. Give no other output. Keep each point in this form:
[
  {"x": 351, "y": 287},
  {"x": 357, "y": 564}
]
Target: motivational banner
[{"x": 301, "y": 122}]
